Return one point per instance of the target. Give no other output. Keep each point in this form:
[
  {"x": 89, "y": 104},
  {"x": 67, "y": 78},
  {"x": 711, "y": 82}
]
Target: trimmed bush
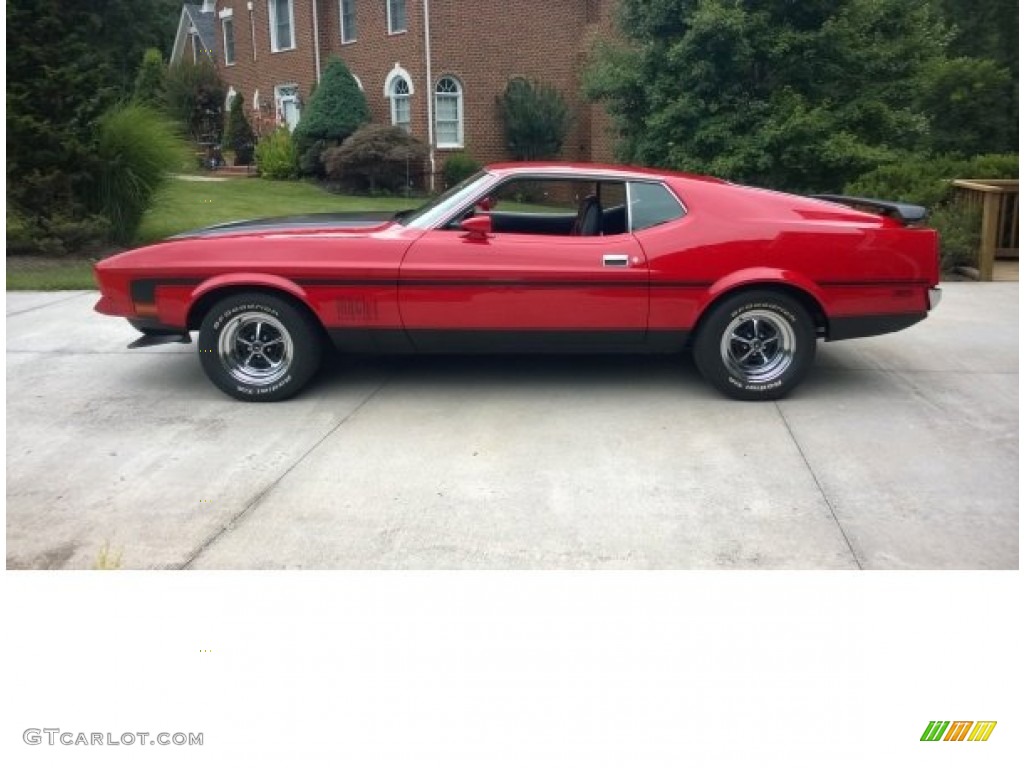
[
  {"x": 376, "y": 158},
  {"x": 238, "y": 135},
  {"x": 458, "y": 167},
  {"x": 276, "y": 157},
  {"x": 137, "y": 147},
  {"x": 535, "y": 118},
  {"x": 337, "y": 107}
]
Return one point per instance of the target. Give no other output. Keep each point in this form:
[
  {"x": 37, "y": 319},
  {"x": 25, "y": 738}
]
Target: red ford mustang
[{"x": 531, "y": 257}]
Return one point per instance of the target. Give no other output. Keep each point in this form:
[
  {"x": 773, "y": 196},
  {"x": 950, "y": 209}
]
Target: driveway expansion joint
[
  {"x": 74, "y": 295},
  {"x": 817, "y": 482},
  {"x": 237, "y": 519}
]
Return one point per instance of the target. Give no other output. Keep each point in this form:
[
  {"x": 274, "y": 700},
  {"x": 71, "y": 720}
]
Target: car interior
[{"x": 567, "y": 207}]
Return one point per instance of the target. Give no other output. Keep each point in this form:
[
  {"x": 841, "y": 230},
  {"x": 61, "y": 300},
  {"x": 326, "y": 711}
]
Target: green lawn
[
  {"x": 183, "y": 205},
  {"x": 35, "y": 273}
]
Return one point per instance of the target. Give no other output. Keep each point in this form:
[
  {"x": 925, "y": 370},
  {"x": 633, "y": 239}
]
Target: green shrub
[
  {"x": 535, "y": 118},
  {"x": 136, "y": 149},
  {"x": 458, "y": 167},
  {"x": 56, "y": 234},
  {"x": 276, "y": 156},
  {"x": 376, "y": 158},
  {"x": 959, "y": 230},
  {"x": 195, "y": 95},
  {"x": 337, "y": 107},
  {"x": 925, "y": 180},
  {"x": 149, "y": 83},
  {"x": 311, "y": 157},
  {"x": 238, "y": 135}
]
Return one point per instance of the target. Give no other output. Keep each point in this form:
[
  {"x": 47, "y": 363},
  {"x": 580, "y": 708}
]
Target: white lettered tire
[
  {"x": 259, "y": 347},
  {"x": 756, "y": 345}
]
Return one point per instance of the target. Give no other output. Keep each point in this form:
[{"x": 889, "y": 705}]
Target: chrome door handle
[{"x": 616, "y": 260}]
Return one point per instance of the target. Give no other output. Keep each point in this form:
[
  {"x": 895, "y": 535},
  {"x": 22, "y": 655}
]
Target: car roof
[{"x": 595, "y": 169}]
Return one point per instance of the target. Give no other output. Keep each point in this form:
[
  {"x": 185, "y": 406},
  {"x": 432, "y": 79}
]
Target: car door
[{"x": 525, "y": 291}]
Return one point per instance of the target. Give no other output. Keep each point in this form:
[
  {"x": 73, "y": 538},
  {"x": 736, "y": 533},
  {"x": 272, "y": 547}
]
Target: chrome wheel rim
[
  {"x": 255, "y": 349},
  {"x": 758, "y": 346}
]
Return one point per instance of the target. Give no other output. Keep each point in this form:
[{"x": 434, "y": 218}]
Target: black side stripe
[
  {"x": 145, "y": 290},
  {"x": 871, "y": 283}
]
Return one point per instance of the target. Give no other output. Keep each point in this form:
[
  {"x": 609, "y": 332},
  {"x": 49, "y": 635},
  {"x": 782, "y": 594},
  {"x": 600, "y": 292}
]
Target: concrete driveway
[{"x": 897, "y": 452}]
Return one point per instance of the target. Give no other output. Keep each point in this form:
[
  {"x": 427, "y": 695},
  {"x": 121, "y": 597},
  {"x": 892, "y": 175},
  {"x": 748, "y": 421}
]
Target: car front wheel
[
  {"x": 258, "y": 347},
  {"x": 757, "y": 345}
]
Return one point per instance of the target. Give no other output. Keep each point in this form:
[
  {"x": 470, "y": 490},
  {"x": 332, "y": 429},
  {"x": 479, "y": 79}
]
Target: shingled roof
[{"x": 206, "y": 29}]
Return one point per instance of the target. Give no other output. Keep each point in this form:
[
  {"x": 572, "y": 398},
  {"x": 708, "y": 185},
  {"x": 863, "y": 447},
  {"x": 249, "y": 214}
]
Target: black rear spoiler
[{"x": 904, "y": 212}]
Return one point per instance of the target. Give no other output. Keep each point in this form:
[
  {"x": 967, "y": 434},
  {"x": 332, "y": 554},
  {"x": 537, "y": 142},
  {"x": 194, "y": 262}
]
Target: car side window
[
  {"x": 541, "y": 205},
  {"x": 651, "y": 204}
]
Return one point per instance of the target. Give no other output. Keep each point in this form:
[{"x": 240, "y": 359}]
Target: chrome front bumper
[{"x": 934, "y": 297}]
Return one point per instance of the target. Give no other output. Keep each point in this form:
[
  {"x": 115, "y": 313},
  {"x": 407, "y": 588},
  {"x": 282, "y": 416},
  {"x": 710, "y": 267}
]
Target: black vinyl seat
[{"x": 588, "y": 219}]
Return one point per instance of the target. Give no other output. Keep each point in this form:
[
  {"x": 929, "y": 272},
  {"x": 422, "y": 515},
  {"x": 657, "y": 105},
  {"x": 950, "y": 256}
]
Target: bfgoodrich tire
[
  {"x": 756, "y": 345},
  {"x": 258, "y": 347}
]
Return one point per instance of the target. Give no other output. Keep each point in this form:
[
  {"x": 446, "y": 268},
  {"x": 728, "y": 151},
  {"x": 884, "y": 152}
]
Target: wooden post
[
  {"x": 998, "y": 219},
  {"x": 989, "y": 235}
]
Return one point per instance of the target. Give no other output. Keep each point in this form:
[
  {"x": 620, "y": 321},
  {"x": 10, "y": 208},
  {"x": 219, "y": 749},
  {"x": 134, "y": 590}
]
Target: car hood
[{"x": 366, "y": 220}]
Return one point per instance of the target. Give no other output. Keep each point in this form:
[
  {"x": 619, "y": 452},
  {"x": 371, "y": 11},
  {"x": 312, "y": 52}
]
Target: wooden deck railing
[{"x": 998, "y": 201}]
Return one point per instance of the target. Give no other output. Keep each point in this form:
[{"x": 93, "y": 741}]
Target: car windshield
[{"x": 459, "y": 196}]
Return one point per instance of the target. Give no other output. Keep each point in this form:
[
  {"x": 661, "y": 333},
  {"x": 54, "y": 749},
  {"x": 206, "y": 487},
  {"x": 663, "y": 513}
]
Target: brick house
[{"x": 434, "y": 67}]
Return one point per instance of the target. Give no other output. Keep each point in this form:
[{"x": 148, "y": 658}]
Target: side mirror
[{"x": 477, "y": 227}]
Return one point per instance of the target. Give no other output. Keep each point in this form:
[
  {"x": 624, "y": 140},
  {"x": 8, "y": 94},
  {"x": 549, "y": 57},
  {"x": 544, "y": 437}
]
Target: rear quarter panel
[{"x": 851, "y": 263}]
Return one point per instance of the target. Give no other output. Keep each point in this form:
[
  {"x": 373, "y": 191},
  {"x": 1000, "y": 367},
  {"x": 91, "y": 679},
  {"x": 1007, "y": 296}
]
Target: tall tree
[
  {"x": 68, "y": 61},
  {"x": 800, "y": 96}
]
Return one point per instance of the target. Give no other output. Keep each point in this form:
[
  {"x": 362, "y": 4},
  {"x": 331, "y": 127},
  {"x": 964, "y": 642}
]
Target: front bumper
[{"x": 934, "y": 297}]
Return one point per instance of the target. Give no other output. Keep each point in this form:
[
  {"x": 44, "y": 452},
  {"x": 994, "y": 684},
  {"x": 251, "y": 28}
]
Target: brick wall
[{"x": 482, "y": 44}]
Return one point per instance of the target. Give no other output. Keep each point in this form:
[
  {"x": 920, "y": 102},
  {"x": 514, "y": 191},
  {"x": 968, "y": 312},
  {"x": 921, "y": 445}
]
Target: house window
[
  {"x": 401, "y": 112},
  {"x": 448, "y": 112},
  {"x": 194, "y": 37},
  {"x": 288, "y": 105},
  {"x": 348, "y": 21},
  {"x": 396, "y": 16},
  {"x": 228, "y": 27},
  {"x": 282, "y": 21}
]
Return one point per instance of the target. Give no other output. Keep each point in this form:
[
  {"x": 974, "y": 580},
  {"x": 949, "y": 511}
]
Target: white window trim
[
  {"x": 274, "y": 48},
  {"x": 230, "y": 97},
  {"x": 358, "y": 81},
  {"x": 460, "y": 142},
  {"x": 404, "y": 29},
  {"x": 279, "y": 101},
  {"x": 398, "y": 71},
  {"x": 224, "y": 33},
  {"x": 341, "y": 24},
  {"x": 393, "y": 98}
]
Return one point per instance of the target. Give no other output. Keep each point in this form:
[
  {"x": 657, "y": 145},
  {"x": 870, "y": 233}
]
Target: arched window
[
  {"x": 448, "y": 112},
  {"x": 401, "y": 112},
  {"x": 229, "y": 98}
]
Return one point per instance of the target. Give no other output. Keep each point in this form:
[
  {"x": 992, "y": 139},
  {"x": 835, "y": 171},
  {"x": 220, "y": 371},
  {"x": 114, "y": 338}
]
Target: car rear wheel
[
  {"x": 258, "y": 347},
  {"x": 756, "y": 345}
]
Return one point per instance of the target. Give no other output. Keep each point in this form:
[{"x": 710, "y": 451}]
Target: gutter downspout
[
  {"x": 252, "y": 29},
  {"x": 316, "y": 39},
  {"x": 429, "y": 89}
]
